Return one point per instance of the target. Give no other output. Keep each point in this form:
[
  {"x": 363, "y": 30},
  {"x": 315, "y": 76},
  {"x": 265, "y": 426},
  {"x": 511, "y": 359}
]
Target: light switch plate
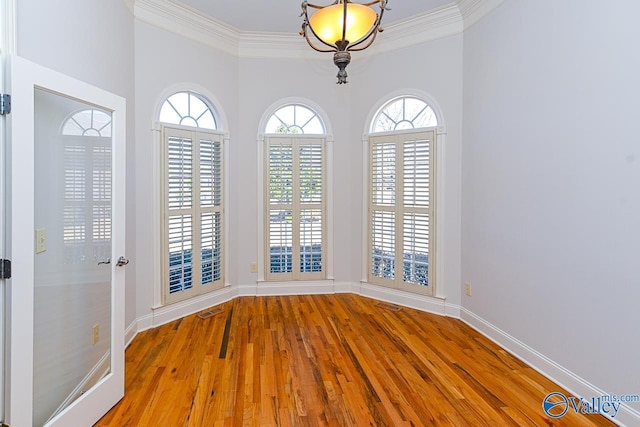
[
  {"x": 41, "y": 240},
  {"x": 96, "y": 333}
]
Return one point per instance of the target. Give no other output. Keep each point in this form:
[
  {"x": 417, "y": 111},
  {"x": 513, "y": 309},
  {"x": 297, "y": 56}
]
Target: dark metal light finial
[{"x": 342, "y": 59}]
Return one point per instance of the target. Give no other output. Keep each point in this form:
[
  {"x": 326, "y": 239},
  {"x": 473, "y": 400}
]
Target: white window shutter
[
  {"x": 193, "y": 242},
  {"x": 401, "y": 210},
  {"x": 295, "y": 181}
]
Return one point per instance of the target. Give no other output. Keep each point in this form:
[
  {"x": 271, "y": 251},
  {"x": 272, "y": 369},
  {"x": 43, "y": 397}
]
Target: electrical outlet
[
  {"x": 253, "y": 267},
  {"x": 96, "y": 333},
  {"x": 41, "y": 240},
  {"x": 467, "y": 288}
]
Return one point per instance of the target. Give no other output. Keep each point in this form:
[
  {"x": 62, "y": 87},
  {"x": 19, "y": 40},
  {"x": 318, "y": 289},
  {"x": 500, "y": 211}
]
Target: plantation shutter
[
  {"x": 416, "y": 177},
  {"x": 310, "y": 170},
  {"x": 295, "y": 208},
  {"x": 211, "y": 210},
  {"x": 193, "y": 213},
  {"x": 87, "y": 199},
  {"x": 180, "y": 211},
  {"x": 401, "y": 210},
  {"x": 383, "y": 211},
  {"x": 280, "y": 199}
]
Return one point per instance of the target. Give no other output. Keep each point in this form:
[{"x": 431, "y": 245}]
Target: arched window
[
  {"x": 295, "y": 119},
  {"x": 89, "y": 122},
  {"x": 188, "y": 109},
  {"x": 294, "y": 164},
  {"x": 192, "y": 170},
  {"x": 401, "y": 191},
  {"x": 404, "y": 113}
]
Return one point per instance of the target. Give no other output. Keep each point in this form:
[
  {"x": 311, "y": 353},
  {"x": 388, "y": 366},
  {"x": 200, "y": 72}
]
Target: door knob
[
  {"x": 108, "y": 261},
  {"x": 122, "y": 261}
]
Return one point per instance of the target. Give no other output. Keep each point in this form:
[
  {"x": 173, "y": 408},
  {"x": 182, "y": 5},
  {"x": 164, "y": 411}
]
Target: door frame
[
  {"x": 23, "y": 78},
  {"x": 8, "y": 46}
]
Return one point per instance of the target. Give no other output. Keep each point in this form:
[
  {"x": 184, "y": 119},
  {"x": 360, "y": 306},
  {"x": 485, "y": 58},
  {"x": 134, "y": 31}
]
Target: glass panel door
[
  {"x": 65, "y": 299},
  {"x": 72, "y": 286}
]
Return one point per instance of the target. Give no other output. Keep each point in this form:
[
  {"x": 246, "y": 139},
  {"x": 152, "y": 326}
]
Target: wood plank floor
[{"x": 327, "y": 360}]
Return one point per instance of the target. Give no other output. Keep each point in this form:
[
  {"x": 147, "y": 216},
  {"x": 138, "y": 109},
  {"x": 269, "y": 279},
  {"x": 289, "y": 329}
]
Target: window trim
[{"x": 328, "y": 195}]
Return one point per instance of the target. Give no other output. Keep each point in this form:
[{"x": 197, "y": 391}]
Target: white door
[{"x": 65, "y": 300}]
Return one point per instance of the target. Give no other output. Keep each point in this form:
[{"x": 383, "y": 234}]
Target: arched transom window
[
  {"x": 188, "y": 109},
  {"x": 404, "y": 113},
  {"x": 89, "y": 122},
  {"x": 295, "y": 119}
]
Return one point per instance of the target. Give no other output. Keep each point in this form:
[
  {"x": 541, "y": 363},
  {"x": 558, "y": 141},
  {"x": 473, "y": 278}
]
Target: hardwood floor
[{"x": 327, "y": 360}]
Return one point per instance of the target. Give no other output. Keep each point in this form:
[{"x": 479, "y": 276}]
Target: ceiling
[{"x": 282, "y": 16}]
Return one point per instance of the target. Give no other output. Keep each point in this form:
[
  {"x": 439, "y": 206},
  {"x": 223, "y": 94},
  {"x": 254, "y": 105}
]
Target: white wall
[
  {"x": 91, "y": 40},
  {"x": 551, "y": 166}
]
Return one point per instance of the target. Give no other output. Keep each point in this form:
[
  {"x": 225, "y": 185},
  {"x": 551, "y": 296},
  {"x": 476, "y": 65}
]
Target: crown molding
[
  {"x": 432, "y": 25},
  {"x": 274, "y": 45},
  {"x": 182, "y": 20},
  {"x": 129, "y": 4},
  {"x": 435, "y": 24},
  {"x": 474, "y": 10},
  {"x": 173, "y": 16}
]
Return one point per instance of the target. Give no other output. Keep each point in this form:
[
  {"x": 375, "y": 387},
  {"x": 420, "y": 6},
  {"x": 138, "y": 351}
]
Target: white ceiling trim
[
  {"x": 274, "y": 45},
  {"x": 190, "y": 23},
  {"x": 474, "y": 10},
  {"x": 442, "y": 22},
  {"x": 129, "y": 4}
]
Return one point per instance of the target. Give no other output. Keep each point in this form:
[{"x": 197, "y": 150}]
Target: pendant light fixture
[{"x": 342, "y": 26}]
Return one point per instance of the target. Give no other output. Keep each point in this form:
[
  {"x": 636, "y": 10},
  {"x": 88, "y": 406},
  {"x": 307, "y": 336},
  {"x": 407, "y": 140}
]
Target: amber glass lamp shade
[{"x": 327, "y": 23}]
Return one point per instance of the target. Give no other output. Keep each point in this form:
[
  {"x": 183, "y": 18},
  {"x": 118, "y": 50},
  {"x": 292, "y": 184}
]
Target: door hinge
[
  {"x": 5, "y": 104},
  {"x": 5, "y": 269}
]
